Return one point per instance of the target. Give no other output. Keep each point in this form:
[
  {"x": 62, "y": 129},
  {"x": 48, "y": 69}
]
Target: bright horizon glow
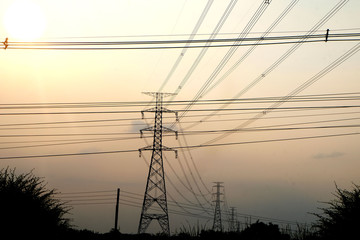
[{"x": 24, "y": 20}]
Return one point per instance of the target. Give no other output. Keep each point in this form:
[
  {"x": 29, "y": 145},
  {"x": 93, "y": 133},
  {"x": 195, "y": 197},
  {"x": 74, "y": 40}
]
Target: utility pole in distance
[
  {"x": 217, "y": 225},
  {"x": 117, "y": 210},
  {"x": 155, "y": 201}
]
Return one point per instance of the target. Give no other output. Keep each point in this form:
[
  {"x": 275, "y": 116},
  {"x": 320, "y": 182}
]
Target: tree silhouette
[
  {"x": 28, "y": 209},
  {"x": 262, "y": 231},
  {"x": 341, "y": 219}
]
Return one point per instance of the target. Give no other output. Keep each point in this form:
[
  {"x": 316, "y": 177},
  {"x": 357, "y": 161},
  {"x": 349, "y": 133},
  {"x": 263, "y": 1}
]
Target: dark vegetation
[
  {"x": 341, "y": 219},
  {"x": 28, "y": 210}
]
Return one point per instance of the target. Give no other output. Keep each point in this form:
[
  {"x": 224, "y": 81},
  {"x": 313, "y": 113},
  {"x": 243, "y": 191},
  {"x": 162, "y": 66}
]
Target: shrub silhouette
[
  {"x": 341, "y": 219},
  {"x": 28, "y": 209},
  {"x": 262, "y": 231}
]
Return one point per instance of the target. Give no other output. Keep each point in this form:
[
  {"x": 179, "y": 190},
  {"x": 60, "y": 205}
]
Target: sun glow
[{"x": 24, "y": 21}]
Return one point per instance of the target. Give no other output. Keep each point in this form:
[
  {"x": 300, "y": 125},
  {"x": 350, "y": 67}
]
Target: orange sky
[{"x": 282, "y": 180}]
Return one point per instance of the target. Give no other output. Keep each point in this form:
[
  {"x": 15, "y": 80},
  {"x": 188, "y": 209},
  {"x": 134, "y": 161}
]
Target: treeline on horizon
[
  {"x": 28, "y": 210},
  {"x": 255, "y": 231}
]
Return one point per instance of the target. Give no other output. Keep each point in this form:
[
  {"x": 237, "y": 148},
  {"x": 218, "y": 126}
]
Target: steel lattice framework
[
  {"x": 217, "y": 225},
  {"x": 155, "y": 200}
]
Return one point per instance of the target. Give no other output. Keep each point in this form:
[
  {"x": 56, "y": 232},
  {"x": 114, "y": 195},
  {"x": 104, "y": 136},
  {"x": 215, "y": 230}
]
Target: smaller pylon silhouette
[
  {"x": 217, "y": 225},
  {"x": 233, "y": 220}
]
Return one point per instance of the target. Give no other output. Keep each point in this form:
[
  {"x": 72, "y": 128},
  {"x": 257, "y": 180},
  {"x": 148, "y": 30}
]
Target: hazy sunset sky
[{"x": 280, "y": 179}]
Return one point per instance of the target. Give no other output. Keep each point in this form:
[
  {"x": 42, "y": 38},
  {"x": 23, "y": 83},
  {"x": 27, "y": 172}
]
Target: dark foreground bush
[
  {"x": 262, "y": 231},
  {"x": 29, "y": 210},
  {"x": 256, "y": 231},
  {"x": 341, "y": 219}
]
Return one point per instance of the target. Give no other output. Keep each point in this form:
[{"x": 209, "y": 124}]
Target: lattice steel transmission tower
[
  {"x": 155, "y": 200},
  {"x": 217, "y": 225},
  {"x": 233, "y": 220}
]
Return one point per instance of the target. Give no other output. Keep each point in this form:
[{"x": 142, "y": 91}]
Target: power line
[
  {"x": 86, "y": 192},
  {"x": 273, "y": 42},
  {"x": 298, "y": 44},
  {"x": 93, "y": 194},
  {"x": 198, "y": 34},
  {"x": 171, "y": 183},
  {"x": 69, "y": 142},
  {"x": 192, "y": 175},
  {"x": 254, "y": 19},
  {"x": 308, "y": 97},
  {"x": 188, "y": 147},
  {"x": 185, "y": 133},
  {"x": 241, "y": 38},
  {"x": 200, "y": 56},
  {"x": 250, "y": 50},
  {"x": 177, "y": 103},
  {"x": 13, "y": 125},
  {"x": 193, "y": 162},
  {"x": 300, "y": 88},
  {"x": 187, "y": 43},
  {"x": 181, "y": 110},
  {"x": 275, "y": 117}
]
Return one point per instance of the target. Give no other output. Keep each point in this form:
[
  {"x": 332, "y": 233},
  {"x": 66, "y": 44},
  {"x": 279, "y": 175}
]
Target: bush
[
  {"x": 262, "y": 231},
  {"x": 341, "y": 219},
  {"x": 28, "y": 209}
]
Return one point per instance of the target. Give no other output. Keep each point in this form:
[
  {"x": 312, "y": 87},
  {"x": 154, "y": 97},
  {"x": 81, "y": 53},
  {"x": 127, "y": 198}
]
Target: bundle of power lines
[
  {"x": 193, "y": 43},
  {"x": 131, "y": 199},
  {"x": 327, "y": 101}
]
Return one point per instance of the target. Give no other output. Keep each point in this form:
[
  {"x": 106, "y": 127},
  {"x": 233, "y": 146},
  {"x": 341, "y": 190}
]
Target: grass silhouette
[{"x": 28, "y": 209}]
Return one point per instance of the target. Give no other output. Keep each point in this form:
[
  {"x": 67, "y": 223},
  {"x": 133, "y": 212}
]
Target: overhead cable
[
  {"x": 287, "y": 54},
  {"x": 187, "y": 147}
]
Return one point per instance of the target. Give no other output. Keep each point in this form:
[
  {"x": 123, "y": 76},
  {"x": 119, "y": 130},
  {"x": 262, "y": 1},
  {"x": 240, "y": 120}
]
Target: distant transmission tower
[
  {"x": 155, "y": 201},
  {"x": 217, "y": 225},
  {"x": 233, "y": 220}
]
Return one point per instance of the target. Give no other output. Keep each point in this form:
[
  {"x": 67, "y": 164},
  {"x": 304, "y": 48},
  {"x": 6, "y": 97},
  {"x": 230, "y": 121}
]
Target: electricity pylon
[
  {"x": 233, "y": 219},
  {"x": 155, "y": 201},
  {"x": 217, "y": 225}
]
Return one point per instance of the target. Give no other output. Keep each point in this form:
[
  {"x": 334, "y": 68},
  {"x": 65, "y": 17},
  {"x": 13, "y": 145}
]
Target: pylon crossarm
[
  {"x": 165, "y": 110},
  {"x": 164, "y": 148},
  {"x": 154, "y": 94},
  {"x": 151, "y": 148},
  {"x": 153, "y": 109},
  {"x": 145, "y": 129},
  {"x": 145, "y": 149},
  {"x": 170, "y": 149},
  {"x": 165, "y": 129},
  {"x": 151, "y": 129},
  {"x": 162, "y": 109}
]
